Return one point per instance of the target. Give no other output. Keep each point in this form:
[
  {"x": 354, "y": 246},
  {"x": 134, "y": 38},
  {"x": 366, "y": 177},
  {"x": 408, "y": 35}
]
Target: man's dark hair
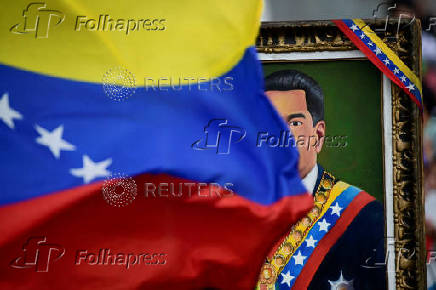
[{"x": 286, "y": 80}]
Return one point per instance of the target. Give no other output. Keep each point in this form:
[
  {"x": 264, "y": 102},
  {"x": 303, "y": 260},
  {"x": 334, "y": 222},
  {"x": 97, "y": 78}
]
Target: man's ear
[{"x": 320, "y": 133}]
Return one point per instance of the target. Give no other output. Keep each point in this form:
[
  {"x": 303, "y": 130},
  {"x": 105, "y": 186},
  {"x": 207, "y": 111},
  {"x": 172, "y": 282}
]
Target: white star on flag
[
  {"x": 403, "y": 79},
  {"x": 323, "y": 225},
  {"x": 91, "y": 169},
  {"x": 311, "y": 242},
  {"x": 336, "y": 209},
  {"x": 396, "y": 71},
  {"x": 354, "y": 27},
  {"x": 370, "y": 43},
  {"x": 386, "y": 61},
  {"x": 362, "y": 36},
  {"x": 377, "y": 51},
  {"x": 411, "y": 87},
  {"x": 53, "y": 140},
  {"x": 7, "y": 114},
  {"x": 299, "y": 258},
  {"x": 341, "y": 283},
  {"x": 287, "y": 278}
]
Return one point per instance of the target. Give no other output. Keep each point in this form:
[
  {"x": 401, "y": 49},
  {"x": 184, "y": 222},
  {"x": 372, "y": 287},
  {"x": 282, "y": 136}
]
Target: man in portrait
[{"x": 339, "y": 244}]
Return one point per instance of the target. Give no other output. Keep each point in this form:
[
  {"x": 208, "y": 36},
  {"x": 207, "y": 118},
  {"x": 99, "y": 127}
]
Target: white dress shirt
[{"x": 310, "y": 180}]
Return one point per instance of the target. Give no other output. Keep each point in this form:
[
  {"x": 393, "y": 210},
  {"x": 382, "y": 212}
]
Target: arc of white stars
[
  {"x": 287, "y": 278},
  {"x": 7, "y": 114},
  {"x": 336, "y": 209},
  {"x": 323, "y": 225},
  {"x": 311, "y": 242},
  {"x": 92, "y": 170},
  {"x": 53, "y": 140},
  {"x": 299, "y": 258}
]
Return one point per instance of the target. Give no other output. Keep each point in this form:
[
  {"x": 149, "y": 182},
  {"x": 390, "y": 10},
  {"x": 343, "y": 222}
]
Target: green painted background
[{"x": 352, "y": 91}]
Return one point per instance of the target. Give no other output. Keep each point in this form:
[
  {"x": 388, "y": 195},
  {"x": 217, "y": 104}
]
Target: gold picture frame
[{"x": 405, "y": 167}]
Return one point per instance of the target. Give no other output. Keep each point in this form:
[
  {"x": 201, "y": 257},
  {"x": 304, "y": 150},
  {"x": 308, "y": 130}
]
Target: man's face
[{"x": 292, "y": 106}]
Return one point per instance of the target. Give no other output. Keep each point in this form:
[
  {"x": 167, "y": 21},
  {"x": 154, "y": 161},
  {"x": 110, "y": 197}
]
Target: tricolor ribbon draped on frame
[{"x": 382, "y": 56}]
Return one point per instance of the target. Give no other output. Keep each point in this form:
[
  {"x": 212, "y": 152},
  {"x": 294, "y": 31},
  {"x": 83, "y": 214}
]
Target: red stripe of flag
[{"x": 207, "y": 240}]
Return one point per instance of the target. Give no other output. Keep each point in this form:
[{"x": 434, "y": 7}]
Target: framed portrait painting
[{"x": 356, "y": 132}]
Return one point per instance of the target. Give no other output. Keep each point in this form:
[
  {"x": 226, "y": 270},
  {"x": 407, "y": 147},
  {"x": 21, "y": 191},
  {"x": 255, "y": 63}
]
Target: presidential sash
[{"x": 294, "y": 262}]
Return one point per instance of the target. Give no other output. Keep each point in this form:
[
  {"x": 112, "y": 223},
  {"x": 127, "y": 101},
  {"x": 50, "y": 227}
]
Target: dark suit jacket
[{"x": 359, "y": 254}]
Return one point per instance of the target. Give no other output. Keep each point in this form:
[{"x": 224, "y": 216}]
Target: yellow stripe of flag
[{"x": 173, "y": 39}]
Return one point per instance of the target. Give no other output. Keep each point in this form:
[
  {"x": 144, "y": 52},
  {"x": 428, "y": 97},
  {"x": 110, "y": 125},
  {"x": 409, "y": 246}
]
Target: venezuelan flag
[{"x": 128, "y": 147}]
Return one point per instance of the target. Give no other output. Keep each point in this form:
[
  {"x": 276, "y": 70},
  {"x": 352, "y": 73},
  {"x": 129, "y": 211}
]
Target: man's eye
[{"x": 295, "y": 123}]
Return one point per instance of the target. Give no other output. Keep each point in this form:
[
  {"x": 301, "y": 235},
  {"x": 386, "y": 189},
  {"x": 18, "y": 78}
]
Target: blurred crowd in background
[{"x": 428, "y": 19}]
